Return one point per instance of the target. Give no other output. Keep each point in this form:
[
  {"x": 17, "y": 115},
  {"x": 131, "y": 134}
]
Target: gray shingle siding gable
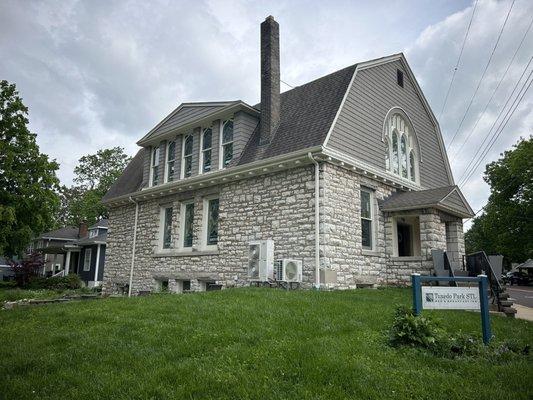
[
  {"x": 244, "y": 126},
  {"x": 359, "y": 127},
  {"x": 454, "y": 201}
]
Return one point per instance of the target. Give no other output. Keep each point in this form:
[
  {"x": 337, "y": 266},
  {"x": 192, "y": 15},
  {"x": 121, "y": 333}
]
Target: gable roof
[
  {"x": 102, "y": 223},
  {"x": 67, "y": 233},
  {"x": 446, "y": 198},
  {"x": 307, "y": 113},
  {"x": 131, "y": 179}
]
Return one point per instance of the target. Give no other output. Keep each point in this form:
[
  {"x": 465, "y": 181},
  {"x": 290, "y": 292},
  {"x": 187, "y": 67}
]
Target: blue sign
[{"x": 458, "y": 298}]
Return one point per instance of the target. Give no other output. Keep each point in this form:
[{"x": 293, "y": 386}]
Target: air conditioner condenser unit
[
  {"x": 261, "y": 260},
  {"x": 288, "y": 270}
]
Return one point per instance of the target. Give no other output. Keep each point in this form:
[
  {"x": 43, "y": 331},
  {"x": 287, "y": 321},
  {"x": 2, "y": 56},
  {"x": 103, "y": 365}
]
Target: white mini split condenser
[
  {"x": 288, "y": 270},
  {"x": 261, "y": 260}
]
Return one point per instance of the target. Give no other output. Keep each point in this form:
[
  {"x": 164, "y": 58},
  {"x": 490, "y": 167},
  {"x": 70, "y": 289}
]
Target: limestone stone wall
[{"x": 277, "y": 206}]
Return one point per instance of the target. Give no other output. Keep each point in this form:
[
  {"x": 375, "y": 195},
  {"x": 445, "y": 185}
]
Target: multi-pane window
[
  {"x": 226, "y": 144},
  {"x": 207, "y": 136},
  {"x": 87, "y": 260},
  {"x": 187, "y": 221},
  {"x": 154, "y": 164},
  {"x": 186, "y": 161},
  {"x": 212, "y": 222},
  {"x": 366, "y": 219},
  {"x": 167, "y": 227},
  {"x": 171, "y": 160},
  {"x": 401, "y": 156}
]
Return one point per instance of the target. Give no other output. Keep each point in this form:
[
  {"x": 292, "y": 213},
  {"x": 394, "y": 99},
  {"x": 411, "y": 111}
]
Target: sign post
[{"x": 453, "y": 298}]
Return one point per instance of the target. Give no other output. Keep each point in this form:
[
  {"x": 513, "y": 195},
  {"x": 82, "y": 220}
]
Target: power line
[
  {"x": 455, "y": 153},
  {"x": 458, "y": 61},
  {"x": 499, "y": 130},
  {"x": 483, "y": 74},
  {"x": 497, "y": 118},
  {"x": 282, "y": 81}
]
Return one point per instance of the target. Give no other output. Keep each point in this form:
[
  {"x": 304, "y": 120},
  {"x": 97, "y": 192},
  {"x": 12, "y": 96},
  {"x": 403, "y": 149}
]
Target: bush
[
  {"x": 416, "y": 331},
  {"x": 7, "y": 284},
  {"x": 71, "y": 281}
]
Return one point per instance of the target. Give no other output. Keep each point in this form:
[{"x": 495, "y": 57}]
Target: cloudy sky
[{"x": 97, "y": 74}]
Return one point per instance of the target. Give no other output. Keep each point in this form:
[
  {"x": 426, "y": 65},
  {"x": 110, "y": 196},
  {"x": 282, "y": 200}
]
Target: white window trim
[
  {"x": 161, "y": 235},
  {"x": 201, "y": 157},
  {"x": 221, "y": 144},
  {"x": 181, "y": 237},
  {"x": 182, "y": 168},
  {"x": 167, "y": 161},
  {"x": 205, "y": 218},
  {"x": 372, "y": 220},
  {"x": 93, "y": 233},
  {"x": 152, "y": 159},
  {"x": 86, "y": 267}
]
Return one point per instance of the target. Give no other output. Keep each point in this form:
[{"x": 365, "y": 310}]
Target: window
[
  {"x": 367, "y": 216},
  {"x": 205, "y": 152},
  {"x": 187, "y": 224},
  {"x": 226, "y": 143},
  {"x": 166, "y": 242},
  {"x": 399, "y": 77},
  {"x": 401, "y": 147},
  {"x": 211, "y": 221},
  {"x": 154, "y": 176},
  {"x": 186, "y": 162},
  {"x": 171, "y": 159},
  {"x": 93, "y": 233},
  {"x": 87, "y": 260}
]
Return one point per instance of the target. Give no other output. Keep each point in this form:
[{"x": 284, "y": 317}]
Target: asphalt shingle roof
[
  {"x": 69, "y": 232},
  {"x": 131, "y": 179}
]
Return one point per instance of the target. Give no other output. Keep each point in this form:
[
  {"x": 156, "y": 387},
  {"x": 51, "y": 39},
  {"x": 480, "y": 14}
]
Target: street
[{"x": 523, "y": 295}]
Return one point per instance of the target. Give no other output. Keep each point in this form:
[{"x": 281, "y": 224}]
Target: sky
[{"x": 97, "y": 74}]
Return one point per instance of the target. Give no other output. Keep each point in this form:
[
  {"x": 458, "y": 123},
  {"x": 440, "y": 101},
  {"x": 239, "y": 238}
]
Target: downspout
[
  {"x": 133, "y": 246},
  {"x": 317, "y": 220}
]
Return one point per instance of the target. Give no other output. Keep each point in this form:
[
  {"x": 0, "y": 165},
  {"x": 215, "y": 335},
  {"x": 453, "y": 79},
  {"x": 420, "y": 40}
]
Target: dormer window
[
  {"x": 186, "y": 160},
  {"x": 171, "y": 159},
  {"x": 226, "y": 143},
  {"x": 154, "y": 166},
  {"x": 93, "y": 233},
  {"x": 401, "y": 146},
  {"x": 205, "y": 152}
]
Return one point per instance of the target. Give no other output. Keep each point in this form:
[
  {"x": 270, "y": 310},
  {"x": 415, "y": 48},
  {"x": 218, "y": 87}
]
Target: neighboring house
[
  {"x": 74, "y": 250},
  {"x": 347, "y": 173},
  {"x": 6, "y": 272}
]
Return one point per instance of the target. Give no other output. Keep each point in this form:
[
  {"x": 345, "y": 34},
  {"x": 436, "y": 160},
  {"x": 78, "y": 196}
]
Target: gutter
[
  {"x": 133, "y": 245},
  {"x": 317, "y": 220}
]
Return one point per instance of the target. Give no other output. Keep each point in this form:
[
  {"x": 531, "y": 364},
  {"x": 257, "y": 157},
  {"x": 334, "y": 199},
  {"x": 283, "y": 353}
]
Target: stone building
[{"x": 347, "y": 173}]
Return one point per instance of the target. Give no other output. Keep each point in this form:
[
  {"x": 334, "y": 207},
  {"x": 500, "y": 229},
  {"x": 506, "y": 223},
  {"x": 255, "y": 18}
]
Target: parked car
[{"x": 517, "y": 278}]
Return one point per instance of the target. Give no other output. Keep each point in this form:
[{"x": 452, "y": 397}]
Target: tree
[
  {"x": 506, "y": 225},
  {"x": 28, "y": 200},
  {"x": 94, "y": 175}
]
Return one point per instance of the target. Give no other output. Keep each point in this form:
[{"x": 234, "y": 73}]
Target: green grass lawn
[
  {"x": 245, "y": 343},
  {"x": 13, "y": 294}
]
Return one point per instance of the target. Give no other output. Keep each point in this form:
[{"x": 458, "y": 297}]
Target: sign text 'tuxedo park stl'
[{"x": 450, "y": 298}]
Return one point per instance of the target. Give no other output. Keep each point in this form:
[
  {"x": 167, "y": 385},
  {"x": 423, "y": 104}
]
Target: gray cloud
[{"x": 99, "y": 73}]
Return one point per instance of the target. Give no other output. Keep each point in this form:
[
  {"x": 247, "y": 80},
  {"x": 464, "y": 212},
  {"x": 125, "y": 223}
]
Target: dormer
[{"x": 197, "y": 138}]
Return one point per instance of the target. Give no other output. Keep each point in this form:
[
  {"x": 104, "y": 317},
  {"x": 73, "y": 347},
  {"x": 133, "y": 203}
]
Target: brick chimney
[
  {"x": 83, "y": 229},
  {"x": 270, "y": 79}
]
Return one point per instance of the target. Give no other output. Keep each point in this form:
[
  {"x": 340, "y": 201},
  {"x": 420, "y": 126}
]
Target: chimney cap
[{"x": 269, "y": 18}]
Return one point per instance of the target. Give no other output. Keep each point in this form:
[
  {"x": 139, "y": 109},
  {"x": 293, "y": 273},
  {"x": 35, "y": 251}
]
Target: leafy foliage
[
  {"x": 506, "y": 226},
  {"x": 71, "y": 281},
  {"x": 411, "y": 330},
  {"x": 28, "y": 182},
  {"x": 27, "y": 268},
  {"x": 95, "y": 174}
]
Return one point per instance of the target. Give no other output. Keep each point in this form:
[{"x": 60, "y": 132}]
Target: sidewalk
[{"x": 523, "y": 312}]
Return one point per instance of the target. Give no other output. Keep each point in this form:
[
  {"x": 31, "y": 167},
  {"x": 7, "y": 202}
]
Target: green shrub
[
  {"x": 7, "y": 284},
  {"x": 71, "y": 281},
  {"x": 416, "y": 331}
]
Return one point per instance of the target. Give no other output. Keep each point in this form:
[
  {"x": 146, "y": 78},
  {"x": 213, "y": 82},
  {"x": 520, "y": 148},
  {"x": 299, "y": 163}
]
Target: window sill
[
  {"x": 373, "y": 253},
  {"x": 186, "y": 253},
  {"x": 408, "y": 258}
]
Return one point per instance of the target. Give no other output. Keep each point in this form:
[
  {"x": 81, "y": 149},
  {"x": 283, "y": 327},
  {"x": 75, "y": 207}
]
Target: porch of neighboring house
[{"x": 60, "y": 261}]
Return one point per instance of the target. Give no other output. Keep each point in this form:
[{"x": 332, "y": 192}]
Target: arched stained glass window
[
  {"x": 412, "y": 171},
  {"x": 403, "y": 152},
  {"x": 387, "y": 155},
  {"x": 395, "y": 160}
]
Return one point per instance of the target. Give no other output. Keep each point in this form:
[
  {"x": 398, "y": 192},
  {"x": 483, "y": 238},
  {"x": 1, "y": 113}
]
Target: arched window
[
  {"x": 403, "y": 148},
  {"x": 395, "y": 152},
  {"x": 402, "y": 153}
]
